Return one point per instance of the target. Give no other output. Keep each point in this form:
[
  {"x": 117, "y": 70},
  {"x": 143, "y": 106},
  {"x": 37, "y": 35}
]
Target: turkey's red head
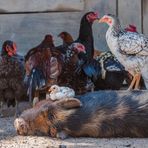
[
  {"x": 92, "y": 16},
  {"x": 9, "y": 48}
]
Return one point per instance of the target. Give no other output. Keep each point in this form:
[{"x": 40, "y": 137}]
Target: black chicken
[
  {"x": 92, "y": 68},
  {"x": 11, "y": 76}
]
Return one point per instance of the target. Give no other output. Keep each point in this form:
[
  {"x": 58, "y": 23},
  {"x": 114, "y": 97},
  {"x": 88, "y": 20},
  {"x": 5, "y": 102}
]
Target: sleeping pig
[
  {"x": 97, "y": 114},
  {"x": 33, "y": 121}
]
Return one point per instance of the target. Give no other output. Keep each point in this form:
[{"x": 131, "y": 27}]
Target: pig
[
  {"x": 33, "y": 121},
  {"x": 101, "y": 114}
]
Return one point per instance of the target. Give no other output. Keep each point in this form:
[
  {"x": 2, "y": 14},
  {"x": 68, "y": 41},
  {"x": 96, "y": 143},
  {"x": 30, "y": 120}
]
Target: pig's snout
[{"x": 21, "y": 126}]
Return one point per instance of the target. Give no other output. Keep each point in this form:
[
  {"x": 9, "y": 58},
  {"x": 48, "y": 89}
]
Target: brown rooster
[
  {"x": 11, "y": 76},
  {"x": 43, "y": 66}
]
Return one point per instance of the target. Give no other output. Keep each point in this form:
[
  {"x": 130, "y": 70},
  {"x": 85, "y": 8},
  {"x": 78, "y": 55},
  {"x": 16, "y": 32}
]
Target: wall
[{"x": 27, "y": 21}]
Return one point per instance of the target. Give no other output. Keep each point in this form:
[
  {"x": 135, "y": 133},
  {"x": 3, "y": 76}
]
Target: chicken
[
  {"x": 12, "y": 71},
  {"x": 59, "y": 92},
  {"x": 130, "y": 48},
  {"x": 112, "y": 73},
  {"x": 68, "y": 39},
  {"x": 86, "y": 38},
  {"x": 46, "y": 43},
  {"x": 69, "y": 77},
  {"x": 43, "y": 66},
  {"x": 91, "y": 67}
]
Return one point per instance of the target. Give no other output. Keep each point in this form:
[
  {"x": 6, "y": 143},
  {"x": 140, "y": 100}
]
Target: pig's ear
[{"x": 69, "y": 103}]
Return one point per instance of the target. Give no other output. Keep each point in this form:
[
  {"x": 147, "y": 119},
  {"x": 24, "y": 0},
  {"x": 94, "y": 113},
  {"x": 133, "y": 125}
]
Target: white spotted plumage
[{"x": 131, "y": 49}]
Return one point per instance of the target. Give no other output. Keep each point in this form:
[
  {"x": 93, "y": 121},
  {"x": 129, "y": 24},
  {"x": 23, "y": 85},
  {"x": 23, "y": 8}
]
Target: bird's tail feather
[
  {"x": 34, "y": 81},
  {"x": 92, "y": 69}
]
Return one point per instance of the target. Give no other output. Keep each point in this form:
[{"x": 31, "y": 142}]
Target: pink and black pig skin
[{"x": 100, "y": 114}]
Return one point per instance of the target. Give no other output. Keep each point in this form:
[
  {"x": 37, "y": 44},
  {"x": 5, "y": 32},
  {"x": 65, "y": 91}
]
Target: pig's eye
[
  {"x": 22, "y": 126},
  {"x": 50, "y": 116}
]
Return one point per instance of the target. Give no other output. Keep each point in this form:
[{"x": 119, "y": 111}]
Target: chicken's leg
[
  {"x": 90, "y": 85},
  {"x": 137, "y": 81},
  {"x": 132, "y": 83},
  {"x": 1, "y": 108},
  {"x": 16, "y": 108}
]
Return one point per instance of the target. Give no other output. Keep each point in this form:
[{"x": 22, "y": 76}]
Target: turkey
[{"x": 130, "y": 48}]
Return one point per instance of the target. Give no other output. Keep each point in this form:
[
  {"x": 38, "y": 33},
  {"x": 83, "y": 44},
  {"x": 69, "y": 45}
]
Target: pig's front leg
[
  {"x": 62, "y": 135},
  {"x": 55, "y": 134}
]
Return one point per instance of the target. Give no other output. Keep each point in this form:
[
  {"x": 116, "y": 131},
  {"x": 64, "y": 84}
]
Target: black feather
[{"x": 35, "y": 80}]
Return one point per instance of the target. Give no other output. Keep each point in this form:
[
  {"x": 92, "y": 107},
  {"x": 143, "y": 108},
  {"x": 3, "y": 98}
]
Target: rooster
[
  {"x": 43, "y": 66},
  {"x": 130, "y": 48},
  {"x": 12, "y": 87}
]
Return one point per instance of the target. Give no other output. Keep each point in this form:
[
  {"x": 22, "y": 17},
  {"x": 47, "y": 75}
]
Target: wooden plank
[
  {"x": 129, "y": 12},
  {"x": 10, "y": 6},
  {"x": 28, "y": 30},
  {"x": 103, "y": 7},
  {"x": 145, "y": 17}
]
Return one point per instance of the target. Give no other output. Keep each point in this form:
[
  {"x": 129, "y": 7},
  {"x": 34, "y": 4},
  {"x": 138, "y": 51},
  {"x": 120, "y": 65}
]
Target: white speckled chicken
[
  {"x": 130, "y": 48},
  {"x": 59, "y": 92}
]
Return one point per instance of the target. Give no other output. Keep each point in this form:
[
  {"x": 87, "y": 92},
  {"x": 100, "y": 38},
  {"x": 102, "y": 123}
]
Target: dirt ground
[{"x": 9, "y": 139}]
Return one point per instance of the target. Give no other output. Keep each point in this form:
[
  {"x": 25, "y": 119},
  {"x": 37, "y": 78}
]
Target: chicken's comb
[
  {"x": 96, "y": 13},
  {"x": 132, "y": 26}
]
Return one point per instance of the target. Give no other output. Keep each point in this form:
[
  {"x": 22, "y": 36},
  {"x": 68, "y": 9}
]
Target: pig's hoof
[
  {"x": 62, "y": 135},
  {"x": 62, "y": 146},
  {"x": 53, "y": 132}
]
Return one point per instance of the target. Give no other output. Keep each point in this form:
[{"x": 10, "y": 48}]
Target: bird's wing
[{"x": 133, "y": 43}]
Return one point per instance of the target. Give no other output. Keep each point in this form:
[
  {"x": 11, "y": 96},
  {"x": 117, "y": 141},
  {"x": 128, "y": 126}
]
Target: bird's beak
[
  {"x": 84, "y": 51},
  {"x": 103, "y": 20},
  {"x": 49, "y": 90}
]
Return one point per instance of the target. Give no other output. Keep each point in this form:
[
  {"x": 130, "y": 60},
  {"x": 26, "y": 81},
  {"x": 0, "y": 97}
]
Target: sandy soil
[{"x": 9, "y": 139}]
